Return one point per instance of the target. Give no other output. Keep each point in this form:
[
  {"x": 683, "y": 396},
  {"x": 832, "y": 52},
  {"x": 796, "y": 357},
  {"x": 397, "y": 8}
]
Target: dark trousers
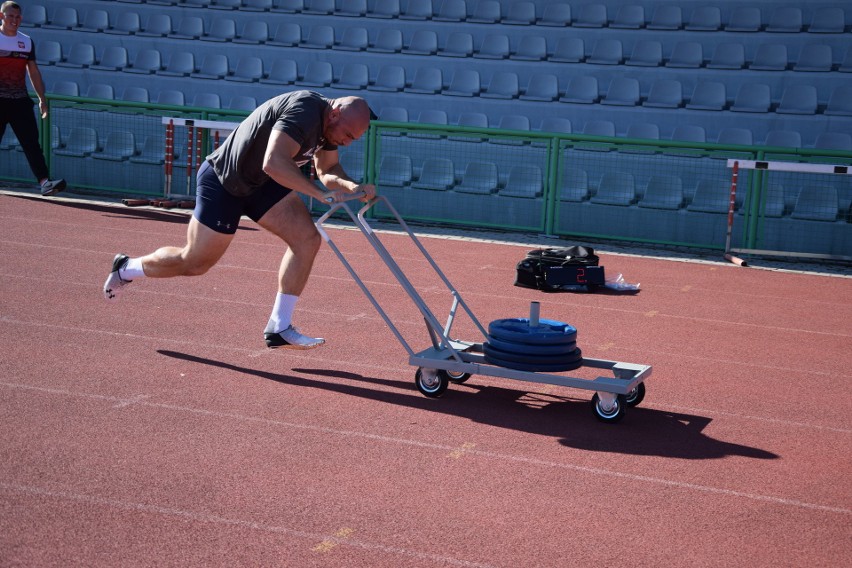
[{"x": 18, "y": 113}]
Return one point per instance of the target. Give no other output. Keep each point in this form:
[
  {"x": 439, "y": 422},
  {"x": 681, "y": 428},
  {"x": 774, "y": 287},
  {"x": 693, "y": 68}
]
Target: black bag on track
[{"x": 555, "y": 269}]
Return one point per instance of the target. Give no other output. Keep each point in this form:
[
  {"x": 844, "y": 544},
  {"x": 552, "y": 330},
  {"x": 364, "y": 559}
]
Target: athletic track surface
[{"x": 159, "y": 431}]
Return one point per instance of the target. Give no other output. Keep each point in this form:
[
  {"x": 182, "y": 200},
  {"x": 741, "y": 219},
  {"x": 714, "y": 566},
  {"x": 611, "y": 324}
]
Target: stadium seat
[
  {"x": 556, "y": 15},
  {"x": 287, "y": 34},
  {"x": 353, "y": 164},
  {"x": 827, "y": 20},
  {"x": 82, "y": 141},
  {"x": 206, "y": 100},
  {"x": 478, "y": 178},
  {"x": 384, "y": 9},
  {"x": 689, "y": 133},
  {"x": 221, "y": 29},
  {"x": 643, "y": 131},
  {"x": 353, "y": 39},
  {"x": 190, "y": 27},
  {"x": 282, "y": 6},
  {"x": 318, "y": 7},
  {"x": 686, "y": 54},
  {"x": 770, "y": 57},
  {"x": 591, "y": 16},
  {"x": 666, "y": 17},
  {"x": 423, "y": 42},
  {"x": 427, "y": 81},
  {"x": 783, "y": 138},
  {"x": 646, "y": 53},
  {"x": 36, "y": 16},
  {"x": 665, "y": 93},
  {"x": 503, "y": 85},
  {"x": 514, "y": 122},
  {"x": 663, "y": 192},
  {"x": 437, "y": 174},
  {"x": 465, "y": 83},
  {"x": 744, "y": 19},
  {"x": 395, "y": 171},
  {"x": 708, "y": 95},
  {"x": 81, "y": 55},
  {"x": 135, "y": 94},
  {"x": 840, "y": 101},
  {"x": 541, "y": 87},
  {"x": 114, "y": 58},
  {"x": 451, "y": 11},
  {"x": 213, "y": 66},
  {"x": 254, "y": 32},
  {"x": 785, "y": 19},
  {"x": 473, "y": 119},
  {"x": 630, "y": 16},
  {"x": 556, "y": 124},
  {"x": 834, "y": 141},
  {"x": 581, "y": 89},
  {"x": 574, "y": 184},
  {"x": 705, "y": 19},
  {"x": 816, "y": 57},
  {"x": 486, "y": 12},
  {"x": 225, "y": 5},
  {"x": 752, "y": 97},
  {"x": 147, "y": 61},
  {"x": 569, "y": 50},
  {"x": 798, "y": 99},
  {"x": 181, "y": 64},
  {"x": 494, "y": 46},
  {"x": 127, "y": 23},
  {"x": 353, "y": 77},
  {"x": 816, "y": 203},
  {"x": 736, "y": 136},
  {"x": 388, "y": 40},
  {"x": 249, "y": 69},
  {"x": 66, "y": 88},
  {"x": 524, "y": 181},
  {"x": 152, "y": 151},
  {"x": 615, "y": 188},
  {"x": 728, "y": 56},
  {"x": 846, "y": 64},
  {"x": 283, "y": 72},
  {"x": 242, "y": 102},
  {"x": 95, "y": 21},
  {"x": 171, "y": 97},
  {"x": 49, "y": 52},
  {"x": 459, "y": 44},
  {"x": 520, "y": 14},
  {"x": 317, "y": 74},
  {"x": 119, "y": 146},
  {"x": 64, "y": 18},
  {"x": 157, "y": 25},
  {"x": 530, "y": 48},
  {"x": 622, "y": 91},
  {"x": 606, "y": 51},
  {"x": 259, "y": 5},
  {"x": 390, "y": 78},
  {"x": 319, "y": 37},
  {"x": 417, "y": 10},
  {"x": 710, "y": 196},
  {"x": 393, "y": 114}
]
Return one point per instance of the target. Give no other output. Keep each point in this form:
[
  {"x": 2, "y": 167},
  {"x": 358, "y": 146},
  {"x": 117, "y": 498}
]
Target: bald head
[{"x": 348, "y": 120}]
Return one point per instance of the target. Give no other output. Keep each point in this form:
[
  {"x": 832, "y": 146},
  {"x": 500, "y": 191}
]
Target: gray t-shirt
[{"x": 238, "y": 162}]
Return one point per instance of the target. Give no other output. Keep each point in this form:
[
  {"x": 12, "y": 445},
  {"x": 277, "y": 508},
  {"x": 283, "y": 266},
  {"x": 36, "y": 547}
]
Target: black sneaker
[
  {"x": 52, "y": 186},
  {"x": 114, "y": 282},
  {"x": 290, "y": 338}
]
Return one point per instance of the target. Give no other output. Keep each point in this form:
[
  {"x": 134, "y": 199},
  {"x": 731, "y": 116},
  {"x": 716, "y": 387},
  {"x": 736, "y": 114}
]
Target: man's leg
[
  {"x": 24, "y": 126},
  {"x": 290, "y": 220}
]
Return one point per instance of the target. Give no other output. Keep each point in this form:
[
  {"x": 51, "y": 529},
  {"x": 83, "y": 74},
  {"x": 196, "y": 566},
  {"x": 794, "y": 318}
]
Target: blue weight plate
[
  {"x": 513, "y": 347},
  {"x": 518, "y": 330},
  {"x": 530, "y": 359},
  {"x": 534, "y": 367}
]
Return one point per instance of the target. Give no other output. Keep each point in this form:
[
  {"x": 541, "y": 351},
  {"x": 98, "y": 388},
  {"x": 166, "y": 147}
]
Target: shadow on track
[{"x": 643, "y": 432}]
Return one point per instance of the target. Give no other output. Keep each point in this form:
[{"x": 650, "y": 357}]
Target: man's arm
[
  {"x": 279, "y": 165},
  {"x": 38, "y": 86},
  {"x": 332, "y": 175}
]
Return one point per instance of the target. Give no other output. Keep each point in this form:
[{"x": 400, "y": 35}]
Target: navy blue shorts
[{"x": 219, "y": 210}]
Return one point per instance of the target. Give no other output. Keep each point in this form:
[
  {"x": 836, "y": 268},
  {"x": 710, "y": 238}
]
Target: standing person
[
  {"x": 17, "y": 58},
  {"x": 255, "y": 172}
]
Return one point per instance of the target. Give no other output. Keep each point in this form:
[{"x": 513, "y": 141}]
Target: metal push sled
[{"x": 455, "y": 361}]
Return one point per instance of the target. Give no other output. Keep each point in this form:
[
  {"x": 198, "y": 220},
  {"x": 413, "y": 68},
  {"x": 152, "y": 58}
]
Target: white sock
[
  {"x": 132, "y": 270},
  {"x": 282, "y": 313}
]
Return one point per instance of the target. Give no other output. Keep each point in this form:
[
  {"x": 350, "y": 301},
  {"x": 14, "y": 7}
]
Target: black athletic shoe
[
  {"x": 52, "y": 186},
  {"x": 114, "y": 282},
  {"x": 290, "y": 338}
]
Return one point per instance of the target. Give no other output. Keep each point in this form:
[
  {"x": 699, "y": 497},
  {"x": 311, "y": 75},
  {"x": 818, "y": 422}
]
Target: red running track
[{"x": 160, "y": 431}]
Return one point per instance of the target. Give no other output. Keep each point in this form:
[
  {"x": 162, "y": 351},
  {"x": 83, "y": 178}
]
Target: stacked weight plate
[{"x": 549, "y": 346}]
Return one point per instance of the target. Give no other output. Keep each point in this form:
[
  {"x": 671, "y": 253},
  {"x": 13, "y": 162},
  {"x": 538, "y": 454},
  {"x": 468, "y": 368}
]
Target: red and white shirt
[{"x": 15, "y": 52}]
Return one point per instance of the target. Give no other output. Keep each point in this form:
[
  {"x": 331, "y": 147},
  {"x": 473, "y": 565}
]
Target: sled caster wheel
[
  {"x": 457, "y": 378},
  {"x": 635, "y": 396},
  {"x": 431, "y": 382},
  {"x": 610, "y": 415}
]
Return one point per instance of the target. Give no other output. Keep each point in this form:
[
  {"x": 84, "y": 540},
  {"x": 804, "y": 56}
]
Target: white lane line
[
  {"x": 447, "y": 449},
  {"x": 216, "y": 519}
]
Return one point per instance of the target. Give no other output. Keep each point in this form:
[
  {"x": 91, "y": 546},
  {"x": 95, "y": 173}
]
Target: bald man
[{"x": 256, "y": 172}]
